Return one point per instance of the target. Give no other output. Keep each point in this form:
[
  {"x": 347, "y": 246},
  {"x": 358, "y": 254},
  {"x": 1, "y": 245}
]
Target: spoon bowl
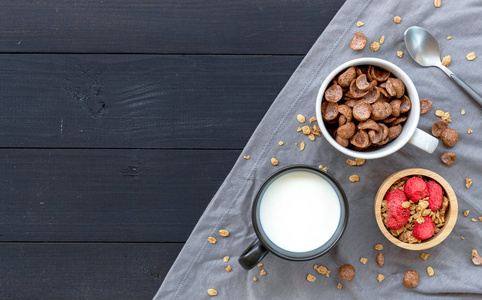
[{"x": 422, "y": 46}]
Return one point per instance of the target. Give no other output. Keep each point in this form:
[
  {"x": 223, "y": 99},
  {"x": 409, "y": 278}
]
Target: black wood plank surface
[
  {"x": 107, "y": 195},
  {"x": 169, "y": 26},
  {"x": 136, "y": 101},
  {"x": 84, "y": 271}
]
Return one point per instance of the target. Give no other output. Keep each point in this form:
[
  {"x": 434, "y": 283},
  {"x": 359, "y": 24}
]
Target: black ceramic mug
[{"x": 269, "y": 215}]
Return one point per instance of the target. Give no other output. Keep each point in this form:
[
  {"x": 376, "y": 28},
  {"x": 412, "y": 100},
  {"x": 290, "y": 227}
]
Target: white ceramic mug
[{"x": 410, "y": 133}]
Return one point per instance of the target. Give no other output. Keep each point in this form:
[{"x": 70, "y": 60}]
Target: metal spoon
[{"x": 424, "y": 49}]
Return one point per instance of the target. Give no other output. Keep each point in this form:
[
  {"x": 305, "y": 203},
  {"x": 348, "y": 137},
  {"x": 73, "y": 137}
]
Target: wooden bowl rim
[{"x": 451, "y": 218}]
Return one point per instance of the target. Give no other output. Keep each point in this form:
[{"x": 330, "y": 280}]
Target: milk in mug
[{"x": 299, "y": 211}]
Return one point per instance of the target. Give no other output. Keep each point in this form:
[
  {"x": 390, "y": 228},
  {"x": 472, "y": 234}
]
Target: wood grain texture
[
  {"x": 450, "y": 215},
  {"x": 107, "y": 195},
  {"x": 84, "y": 271},
  {"x": 136, "y": 101},
  {"x": 170, "y": 26}
]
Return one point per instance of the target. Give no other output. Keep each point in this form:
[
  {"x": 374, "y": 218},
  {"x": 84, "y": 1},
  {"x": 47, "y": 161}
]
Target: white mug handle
[{"x": 424, "y": 141}]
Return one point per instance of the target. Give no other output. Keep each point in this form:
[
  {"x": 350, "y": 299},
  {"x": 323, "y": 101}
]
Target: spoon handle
[{"x": 470, "y": 91}]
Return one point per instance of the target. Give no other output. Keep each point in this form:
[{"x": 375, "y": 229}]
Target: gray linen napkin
[{"x": 200, "y": 267}]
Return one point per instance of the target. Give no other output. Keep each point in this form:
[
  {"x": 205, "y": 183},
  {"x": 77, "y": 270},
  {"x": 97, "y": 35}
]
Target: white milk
[{"x": 300, "y": 211}]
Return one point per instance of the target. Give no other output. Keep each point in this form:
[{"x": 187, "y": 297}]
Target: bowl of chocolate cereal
[
  {"x": 369, "y": 108},
  {"x": 416, "y": 209}
]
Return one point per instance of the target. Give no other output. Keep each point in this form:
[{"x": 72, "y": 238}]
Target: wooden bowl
[{"x": 450, "y": 216}]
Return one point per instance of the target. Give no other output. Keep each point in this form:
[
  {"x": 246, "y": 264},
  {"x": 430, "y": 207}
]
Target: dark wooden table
[{"x": 119, "y": 121}]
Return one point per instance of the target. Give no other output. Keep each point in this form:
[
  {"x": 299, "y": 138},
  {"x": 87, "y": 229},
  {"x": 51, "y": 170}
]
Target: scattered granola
[
  {"x": 211, "y": 240},
  {"x": 468, "y": 182},
  {"x": 471, "y": 56},
  {"x": 312, "y": 119},
  {"x": 299, "y": 129},
  {"x": 212, "y": 292},
  {"x": 476, "y": 259},
  {"x": 380, "y": 259},
  {"x": 226, "y": 259},
  {"x": 424, "y": 256},
  {"x": 473, "y": 220},
  {"x": 363, "y": 260},
  {"x": 323, "y": 168},
  {"x": 446, "y": 60},
  {"x": 443, "y": 115},
  {"x": 347, "y": 272},
  {"x": 411, "y": 279},
  {"x": 462, "y": 112},
  {"x": 462, "y": 238},
  {"x": 380, "y": 277},
  {"x": 310, "y": 278},
  {"x": 375, "y": 46},
  {"x": 430, "y": 271},
  {"x": 378, "y": 247},
  {"x": 302, "y": 146},
  {"x": 301, "y": 118},
  {"x": 470, "y": 131},
  {"x": 382, "y": 40},
  {"x": 354, "y": 178},
  {"x": 322, "y": 270},
  {"x": 262, "y": 272},
  {"x": 311, "y": 136},
  {"x": 339, "y": 286},
  {"x": 400, "y": 54},
  {"x": 228, "y": 269},
  {"x": 281, "y": 143},
  {"x": 437, "y": 3},
  {"x": 223, "y": 232},
  {"x": 397, "y": 19},
  {"x": 359, "y": 24},
  {"x": 356, "y": 162},
  {"x": 274, "y": 161},
  {"x": 255, "y": 278},
  {"x": 247, "y": 157},
  {"x": 260, "y": 265},
  {"x": 466, "y": 213},
  {"x": 480, "y": 219},
  {"x": 449, "y": 37}
]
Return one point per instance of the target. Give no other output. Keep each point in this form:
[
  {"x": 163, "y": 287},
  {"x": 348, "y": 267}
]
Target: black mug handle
[{"x": 253, "y": 255}]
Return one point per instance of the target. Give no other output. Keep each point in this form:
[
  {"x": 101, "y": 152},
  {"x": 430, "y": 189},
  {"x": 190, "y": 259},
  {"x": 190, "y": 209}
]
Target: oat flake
[
  {"x": 301, "y": 118},
  {"x": 397, "y": 19},
  {"x": 375, "y": 46},
  {"x": 380, "y": 277},
  {"x": 354, "y": 178},
  {"x": 468, "y": 182},
  {"x": 212, "y": 292},
  {"x": 310, "y": 278},
  {"x": 471, "y": 56},
  {"x": 400, "y": 54},
  {"x": 359, "y": 24},
  {"x": 430, "y": 271}
]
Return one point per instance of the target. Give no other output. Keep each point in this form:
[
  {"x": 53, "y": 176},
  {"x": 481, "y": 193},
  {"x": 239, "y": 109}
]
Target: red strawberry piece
[
  {"x": 425, "y": 230},
  {"x": 415, "y": 189},
  {"x": 397, "y": 215},
  {"x": 435, "y": 195}
]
